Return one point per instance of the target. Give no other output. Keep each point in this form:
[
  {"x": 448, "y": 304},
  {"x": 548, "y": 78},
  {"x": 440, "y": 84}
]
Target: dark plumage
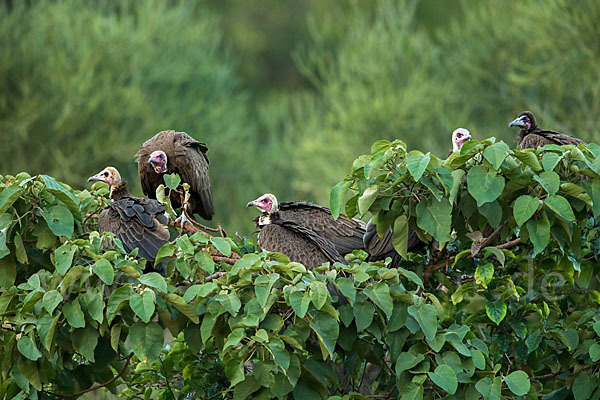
[
  {"x": 136, "y": 222},
  {"x": 532, "y": 137},
  {"x": 177, "y": 152}
]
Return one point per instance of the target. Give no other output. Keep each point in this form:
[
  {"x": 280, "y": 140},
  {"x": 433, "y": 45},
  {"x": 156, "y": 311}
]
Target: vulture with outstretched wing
[
  {"x": 345, "y": 233},
  {"x": 177, "y": 152},
  {"x": 136, "y": 222},
  {"x": 532, "y": 137}
]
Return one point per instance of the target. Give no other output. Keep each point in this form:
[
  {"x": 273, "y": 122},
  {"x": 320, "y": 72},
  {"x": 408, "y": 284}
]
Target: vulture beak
[
  {"x": 517, "y": 122},
  {"x": 151, "y": 160},
  {"x": 252, "y": 203},
  {"x": 468, "y": 137},
  {"x": 96, "y": 177}
]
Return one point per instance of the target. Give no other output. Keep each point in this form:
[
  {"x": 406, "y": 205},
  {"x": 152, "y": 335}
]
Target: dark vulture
[
  {"x": 136, "y": 222},
  {"x": 345, "y": 233},
  {"x": 177, "y": 152},
  {"x": 532, "y": 136},
  {"x": 299, "y": 243}
]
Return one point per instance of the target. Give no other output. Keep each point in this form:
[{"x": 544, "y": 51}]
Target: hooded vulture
[
  {"x": 298, "y": 242},
  {"x": 532, "y": 136},
  {"x": 346, "y": 234},
  {"x": 177, "y": 152},
  {"x": 136, "y": 222},
  {"x": 459, "y": 137}
]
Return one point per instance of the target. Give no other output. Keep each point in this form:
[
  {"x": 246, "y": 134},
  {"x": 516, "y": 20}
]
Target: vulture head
[
  {"x": 459, "y": 137},
  {"x": 158, "y": 160},
  {"x": 267, "y": 203},
  {"x": 108, "y": 175},
  {"x": 525, "y": 120}
]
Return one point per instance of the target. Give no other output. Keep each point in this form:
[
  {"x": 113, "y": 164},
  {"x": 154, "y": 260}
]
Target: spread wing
[
  {"x": 346, "y": 234},
  {"x": 138, "y": 223}
]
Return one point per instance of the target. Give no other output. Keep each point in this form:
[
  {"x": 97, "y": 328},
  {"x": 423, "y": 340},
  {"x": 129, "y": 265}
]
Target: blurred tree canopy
[{"x": 285, "y": 93}]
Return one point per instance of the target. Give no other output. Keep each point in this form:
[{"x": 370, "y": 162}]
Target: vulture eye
[
  {"x": 265, "y": 200},
  {"x": 459, "y": 135},
  {"x": 105, "y": 174}
]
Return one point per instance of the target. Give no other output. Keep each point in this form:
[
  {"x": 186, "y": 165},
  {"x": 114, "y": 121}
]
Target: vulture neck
[
  {"x": 119, "y": 190},
  {"x": 267, "y": 219}
]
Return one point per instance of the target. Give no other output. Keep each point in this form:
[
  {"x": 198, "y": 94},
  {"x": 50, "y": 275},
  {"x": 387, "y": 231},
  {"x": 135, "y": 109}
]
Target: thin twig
[
  {"x": 216, "y": 275},
  {"x": 510, "y": 244}
]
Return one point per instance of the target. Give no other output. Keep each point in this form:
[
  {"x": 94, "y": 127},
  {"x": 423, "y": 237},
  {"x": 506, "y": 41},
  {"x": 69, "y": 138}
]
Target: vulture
[
  {"x": 379, "y": 249},
  {"x": 459, "y": 137},
  {"x": 345, "y": 234},
  {"x": 299, "y": 243},
  {"x": 532, "y": 136},
  {"x": 177, "y": 152},
  {"x": 136, "y": 222}
]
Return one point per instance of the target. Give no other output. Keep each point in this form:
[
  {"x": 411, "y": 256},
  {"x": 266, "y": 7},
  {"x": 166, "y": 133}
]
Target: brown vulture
[
  {"x": 136, "y": 222},
  {"x": 299, "y": 243},
  {"x": 345, "y": 233},
  {"x": 177, "y": 152},
  {"x": 532, "y": 136}
]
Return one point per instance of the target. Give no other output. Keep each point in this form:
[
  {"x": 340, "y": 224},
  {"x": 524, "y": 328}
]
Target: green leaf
[
  {"x": 281, "y": 355},
  {"x": 318, "y": 294},
  {"x": 234, "y": 370},
  {"x": 172, "y": 180},
  {"x": 379, "y": 293},
  {"x": 457, "y": 176},
  {"x": 94, "y": 303},
  {"x": 435, "y": 217},
  {"x": 366, "y": 199},
  {"x": 8, "y": 196},
  {"x": 179, "y": 303},
  {"x": 74, "y": 315},
  {"x": 528, "y": 158},
  {"x": 584, "y": 386},
  {"x": 363, "y": 314},
  {"x": 444, "y": 377},
  {"x": 327, "y": 329},
  {"x": 549, "y": 160},
  {"x": 484, "y": 185},
  {"x": 46, "y": 328},
  {"x": 63, "y": 257},
  {"x": 412, "y": 391},
  {"x": 300, "y": 302},
  {"x": 594, "y": 352},
  {"x": 426, "y": 317},
  {"x": 59, "y": 220},
  {"x": 550, "y": 181},
  {"x": 104, "y": 270},
  {"x": 593, "y": 190},
  {"x": 154, "y": 280},
  {"x": 222, "y": 245},
  {"x": 28, "y": 348},
  {"x": 336, "y": 197},
  {"x": 496, "y": 311},
  {"x": 347, "y": 288},
  {"x": 417, "y": 164},
  {"x": 496, "y": 154},
  {"x": 51, "y": 299},
  {"x": 8, "y": 272},
  {"x": 492, "y": 211},
  {"x": 518, "y": 382},
  {"x": 116, "y": 300},
  {"x": 524, "y": 208},
  {"x": 478, "y": 359},
  {"x": 539, "y": 233},
  {"x": 400, "y": 237},
  {"x": 230, "y": 301},
  {"x": 167, "y": 250},
  {"x": 484, "y": 274},
  {"x": 560, "y": 206},
  {"x": 489, "y": 389},
  {"x": 146, "y": 340},
  {"x": 20, "y": 251},
  {"x": 407, "y": 361},
  {"x": 142, "y": 305},
  {"x": 410, "y": 275},
  {"x": 61, "y": 193},
  {"x": 85, "y": 341}
]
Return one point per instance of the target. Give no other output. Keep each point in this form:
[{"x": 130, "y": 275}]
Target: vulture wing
[
  {"x": 138, "y": 223},
  {"x": 381, "y": 248},
  {"x": 539, "y": 138},
  {"x": 346, "y": 234}
]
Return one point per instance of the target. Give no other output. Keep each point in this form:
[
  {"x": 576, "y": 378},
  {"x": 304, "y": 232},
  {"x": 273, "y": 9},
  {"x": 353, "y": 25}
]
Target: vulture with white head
[
  {"x": 459, "y": 137},
  {"x": 532, "y": 137},
  {"x": 137, "y": 222},
  {"x": 177, "y": 152}
]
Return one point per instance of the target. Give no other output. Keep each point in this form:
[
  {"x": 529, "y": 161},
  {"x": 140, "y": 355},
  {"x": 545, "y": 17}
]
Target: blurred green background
[{"x": 286, "y": 93}]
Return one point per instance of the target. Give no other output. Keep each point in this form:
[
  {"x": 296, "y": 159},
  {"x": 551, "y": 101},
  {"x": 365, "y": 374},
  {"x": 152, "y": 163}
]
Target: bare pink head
[
  {"x": 459, "y": 137},
  {"x": 266, "y": 203},
  {"x": 158, "y": 160}
]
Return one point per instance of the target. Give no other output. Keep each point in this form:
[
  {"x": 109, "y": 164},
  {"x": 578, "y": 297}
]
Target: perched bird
[
  {"x": 136, "y": 222},
  {"x": 382, "y": 248},
  {"x": 459, "y": 137},
  {"x": 532, "y": 137},
  {"x": 345, "y": 233},
  {"x": 298, "y": 242},
  {"x": 177, "y": 152}
]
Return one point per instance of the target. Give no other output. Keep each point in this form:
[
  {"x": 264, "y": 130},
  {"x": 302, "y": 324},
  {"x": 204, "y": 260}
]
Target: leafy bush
[{"x": 506, "y": 315}]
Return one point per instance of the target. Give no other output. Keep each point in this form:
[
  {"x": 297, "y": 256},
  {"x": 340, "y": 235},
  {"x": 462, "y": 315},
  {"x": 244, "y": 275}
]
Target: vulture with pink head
[
  {"x": 137, "y": 222},
  {"x": 532, "y": 137},
  {"x": 177, "y": 152}
]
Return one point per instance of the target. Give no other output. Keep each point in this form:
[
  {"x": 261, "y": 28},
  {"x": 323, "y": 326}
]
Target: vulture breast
[{"x": 185, "y": 156}]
